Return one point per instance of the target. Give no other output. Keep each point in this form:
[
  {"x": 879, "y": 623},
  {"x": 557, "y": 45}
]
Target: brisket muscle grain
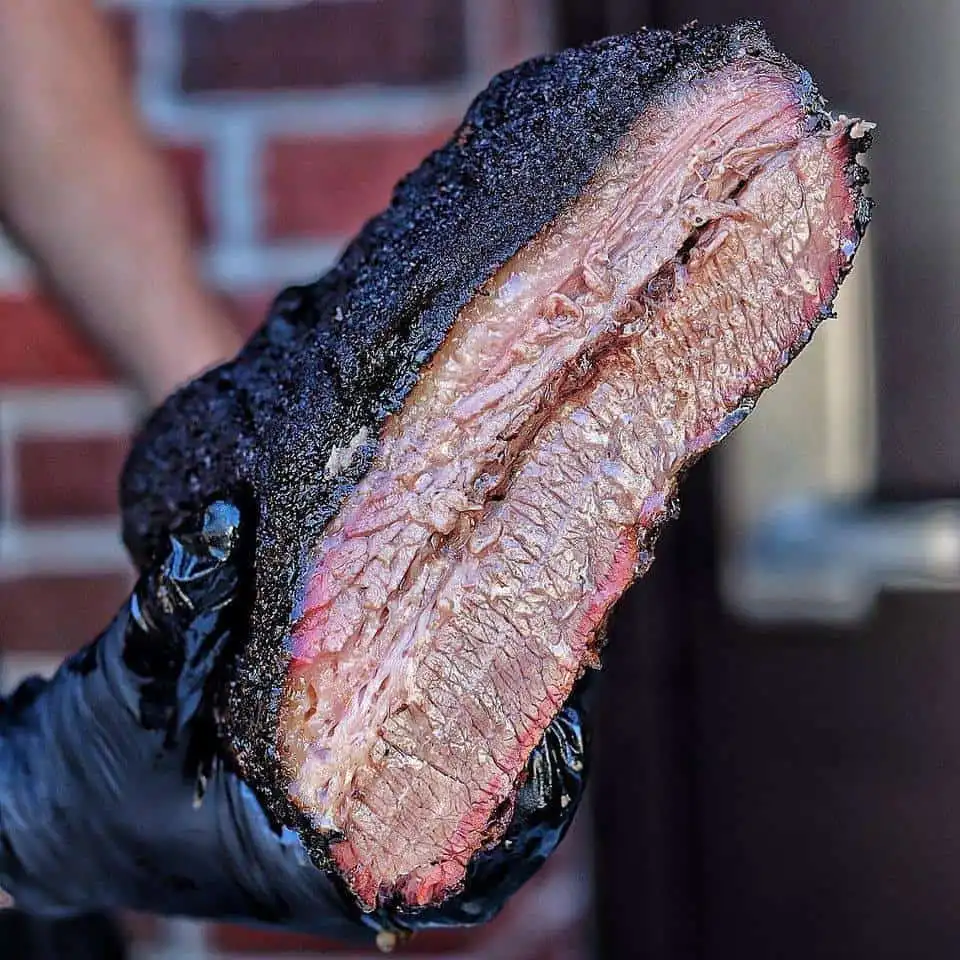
[{"x": 457, "y": 475}]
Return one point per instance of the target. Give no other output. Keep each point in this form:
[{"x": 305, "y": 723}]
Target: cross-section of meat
[{"x": 463, "y": 441}]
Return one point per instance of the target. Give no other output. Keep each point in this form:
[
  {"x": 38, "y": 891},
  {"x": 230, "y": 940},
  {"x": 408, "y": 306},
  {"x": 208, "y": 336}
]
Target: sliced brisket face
[
  {"x": 458, "y": 475},
  {"x": 457, "y": 596}
]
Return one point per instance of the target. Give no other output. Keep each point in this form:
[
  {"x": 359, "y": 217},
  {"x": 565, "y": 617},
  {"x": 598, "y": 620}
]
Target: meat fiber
[{"x": 461, "y": 443}]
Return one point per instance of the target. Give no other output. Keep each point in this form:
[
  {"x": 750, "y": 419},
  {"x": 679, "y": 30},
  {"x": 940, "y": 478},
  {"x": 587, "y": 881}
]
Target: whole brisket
[{"x": 459, "y": 445}]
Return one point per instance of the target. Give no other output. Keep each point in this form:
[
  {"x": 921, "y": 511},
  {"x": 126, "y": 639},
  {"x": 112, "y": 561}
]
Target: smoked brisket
[{"x": 459, "y": 445}]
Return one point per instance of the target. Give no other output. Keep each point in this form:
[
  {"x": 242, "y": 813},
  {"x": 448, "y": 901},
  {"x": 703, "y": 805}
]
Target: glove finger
[
  {"x": 181, "y": 615},
  {"x": 193, "y": 577}
]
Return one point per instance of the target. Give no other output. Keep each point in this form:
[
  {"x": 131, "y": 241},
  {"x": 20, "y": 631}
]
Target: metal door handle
[
  {"x": 803, "y": 539},
  {"x": 826, "y": 562}
]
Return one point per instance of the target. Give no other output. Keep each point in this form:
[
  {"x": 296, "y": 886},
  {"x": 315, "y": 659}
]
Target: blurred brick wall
[{"x": 286, "y": 124}]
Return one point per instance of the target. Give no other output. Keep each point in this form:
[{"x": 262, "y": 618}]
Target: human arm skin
[{"x": 83, "y": 191}]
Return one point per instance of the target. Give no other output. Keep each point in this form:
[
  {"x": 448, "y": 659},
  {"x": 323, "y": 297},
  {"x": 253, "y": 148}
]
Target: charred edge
[
  {"x": 251, "y": 729},
  {"x": 858, "y": 178}
]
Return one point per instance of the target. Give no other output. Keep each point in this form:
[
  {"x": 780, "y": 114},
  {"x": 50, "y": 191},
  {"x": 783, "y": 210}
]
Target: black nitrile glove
[
  {"x": 114, "y": 791},
  {"x": 103, "y": 767}
]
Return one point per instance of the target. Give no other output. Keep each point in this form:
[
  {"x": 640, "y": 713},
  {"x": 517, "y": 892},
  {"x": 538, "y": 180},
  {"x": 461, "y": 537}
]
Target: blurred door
[{"x": 792, "y": 791}]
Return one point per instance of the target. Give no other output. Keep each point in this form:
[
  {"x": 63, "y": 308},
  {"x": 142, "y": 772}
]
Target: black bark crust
[{"x": 338, "y": 356}]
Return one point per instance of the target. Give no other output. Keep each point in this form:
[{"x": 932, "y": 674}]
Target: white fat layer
[{"x": 341, "y": 458}]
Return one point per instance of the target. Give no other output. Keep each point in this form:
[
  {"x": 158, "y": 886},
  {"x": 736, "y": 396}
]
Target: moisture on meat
[{"x": 458, "y": 548}]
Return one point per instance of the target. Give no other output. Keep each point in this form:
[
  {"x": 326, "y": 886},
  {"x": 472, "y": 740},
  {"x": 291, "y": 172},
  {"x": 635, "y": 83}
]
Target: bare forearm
[{"x": 82, "y": 189}]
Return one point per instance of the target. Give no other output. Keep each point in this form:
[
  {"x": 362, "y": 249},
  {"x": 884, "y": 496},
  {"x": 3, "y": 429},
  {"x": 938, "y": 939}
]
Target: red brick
[
  {"x": 188, "y": 166},
  {"x": 328, "y": 187},
  {"x": 307, "y": 45},
  {"x": 58, "y": 614},
  {"x": 38, "y": 346},
  {"x": 69, "y": 476}
]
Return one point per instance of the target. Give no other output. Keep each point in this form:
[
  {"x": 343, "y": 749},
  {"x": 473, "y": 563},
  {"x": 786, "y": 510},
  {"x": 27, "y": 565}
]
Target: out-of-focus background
[{"x": 777, "y": 769}]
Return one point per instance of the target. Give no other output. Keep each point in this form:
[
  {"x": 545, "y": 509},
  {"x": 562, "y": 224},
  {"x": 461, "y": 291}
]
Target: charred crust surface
[{"x": 337, "y": 357}]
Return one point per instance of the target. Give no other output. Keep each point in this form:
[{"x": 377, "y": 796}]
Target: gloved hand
[{"x": 116, "y": 792}]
